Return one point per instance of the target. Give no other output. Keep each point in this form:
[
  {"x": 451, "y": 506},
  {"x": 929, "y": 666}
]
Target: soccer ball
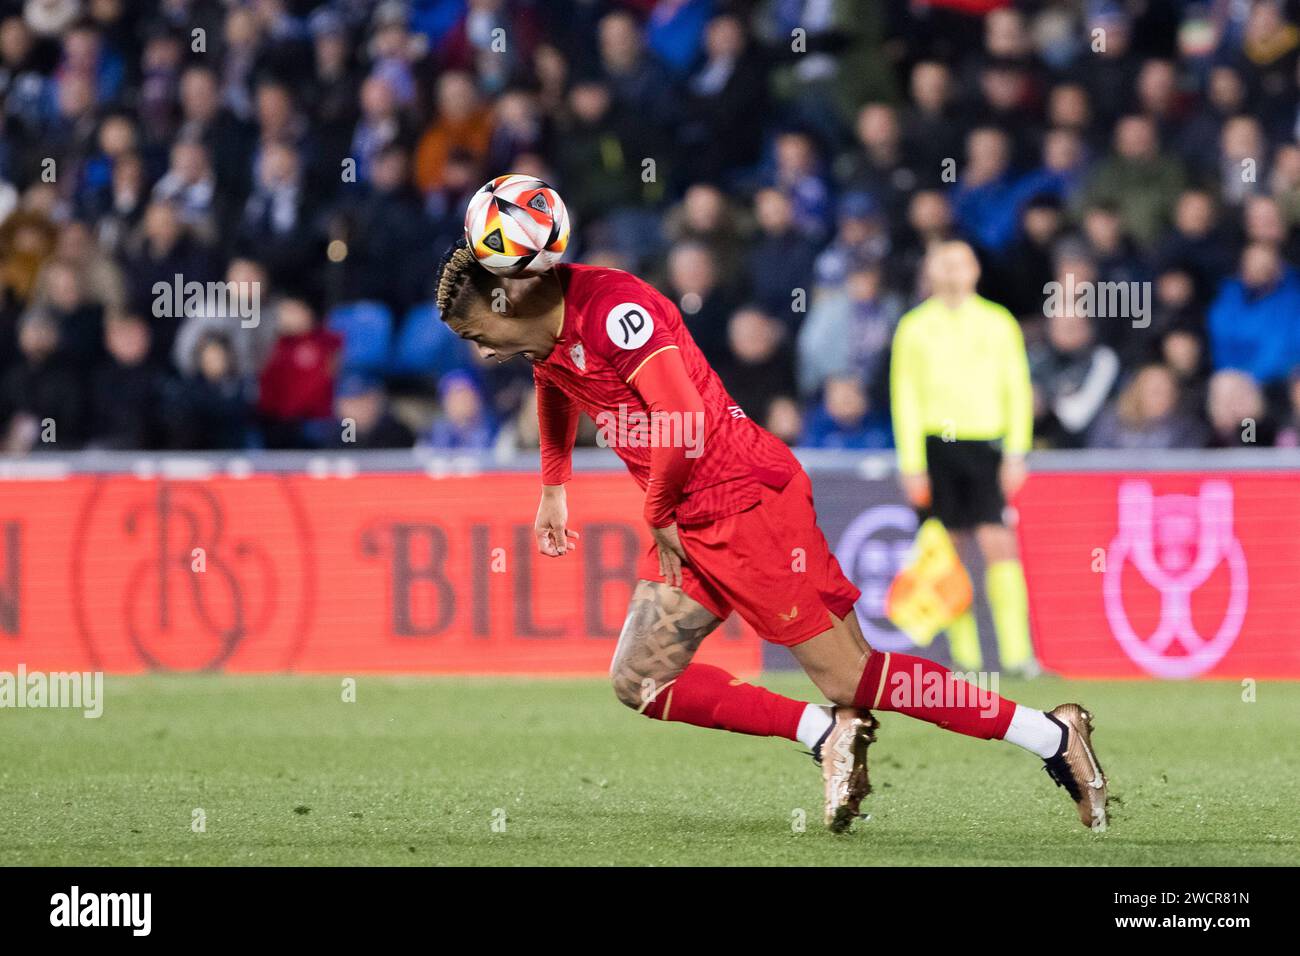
[{"x": 517, "y": 225}]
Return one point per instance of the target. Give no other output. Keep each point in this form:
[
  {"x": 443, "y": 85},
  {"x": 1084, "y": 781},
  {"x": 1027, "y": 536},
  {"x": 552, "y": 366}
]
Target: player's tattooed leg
[{"x": 663, "y": 629}]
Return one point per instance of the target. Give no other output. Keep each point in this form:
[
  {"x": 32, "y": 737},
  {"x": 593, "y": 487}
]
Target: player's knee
[
  {"x": 627, "y": 690},
  {"x": 840, "y": 691},
  {"x": 836, "y": 686},
  {"x": 631, "y": 687}
]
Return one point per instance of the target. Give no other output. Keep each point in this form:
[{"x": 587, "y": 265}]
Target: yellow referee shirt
[{"x": 960, "y": 374}]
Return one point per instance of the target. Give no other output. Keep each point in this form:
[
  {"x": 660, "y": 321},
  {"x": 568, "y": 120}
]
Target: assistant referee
[{"x": 963, "y": 421}]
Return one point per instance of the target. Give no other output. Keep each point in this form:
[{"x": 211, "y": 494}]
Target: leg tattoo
[{"x": 663, "y": 629}]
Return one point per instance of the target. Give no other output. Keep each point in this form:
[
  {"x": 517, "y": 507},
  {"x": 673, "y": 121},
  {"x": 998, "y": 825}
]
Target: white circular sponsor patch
[{"x": 629, "y": 325}]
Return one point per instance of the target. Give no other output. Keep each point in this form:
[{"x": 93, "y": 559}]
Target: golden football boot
[
  {"x": 1077, "y": 769},
  {"x": 842, "y": 754}
]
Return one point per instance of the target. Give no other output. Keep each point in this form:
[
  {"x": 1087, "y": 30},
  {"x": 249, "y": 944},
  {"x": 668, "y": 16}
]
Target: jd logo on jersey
[{"x": 629, "y": 326}]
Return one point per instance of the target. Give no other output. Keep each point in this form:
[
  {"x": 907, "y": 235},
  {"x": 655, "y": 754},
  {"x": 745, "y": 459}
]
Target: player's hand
[
  {"x": 551, "y": 527},
  {"x": 671, "y": 554},
  {"x": 917, "y": 489},
  {"x": 1012, "y": 475}
]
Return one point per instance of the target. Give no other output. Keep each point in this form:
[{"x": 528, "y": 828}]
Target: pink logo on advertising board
[{"x": 1175, "y": 542}]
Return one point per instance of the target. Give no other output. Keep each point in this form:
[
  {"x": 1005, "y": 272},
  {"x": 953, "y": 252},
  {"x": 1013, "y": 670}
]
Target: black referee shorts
[{"x": 964, "y": 486}]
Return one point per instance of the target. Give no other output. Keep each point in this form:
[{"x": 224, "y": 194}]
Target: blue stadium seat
[
  {"x": 426, "y": 346},
  {"x": 367, "y": 330}
]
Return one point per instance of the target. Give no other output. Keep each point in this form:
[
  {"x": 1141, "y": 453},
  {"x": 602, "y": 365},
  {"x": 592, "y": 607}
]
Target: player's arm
[
  {"x": 670, "y": 396},
  {"x": 557, "y": 427}
]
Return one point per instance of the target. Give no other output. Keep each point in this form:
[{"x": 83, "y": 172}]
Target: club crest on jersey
[
  {"x": 629, "y": 325},
  {"x": 579, "y": 357}
]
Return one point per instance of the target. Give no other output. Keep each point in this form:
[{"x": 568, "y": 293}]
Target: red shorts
[{"x": 771, "y": 564}]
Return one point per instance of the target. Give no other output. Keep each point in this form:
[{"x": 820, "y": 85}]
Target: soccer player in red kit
[{"x": 731, "y": 516}]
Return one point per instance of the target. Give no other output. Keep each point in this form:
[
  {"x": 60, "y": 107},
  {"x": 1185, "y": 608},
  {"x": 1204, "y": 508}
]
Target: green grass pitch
[{"x": 440, "y": 771}]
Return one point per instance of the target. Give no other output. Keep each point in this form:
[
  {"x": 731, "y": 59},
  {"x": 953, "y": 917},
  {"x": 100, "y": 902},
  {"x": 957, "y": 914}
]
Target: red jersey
[{"x": 613, "y": 324}]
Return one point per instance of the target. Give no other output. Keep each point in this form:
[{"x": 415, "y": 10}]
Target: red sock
[
  {"x": 708, "y": 696},
  {"x": 925, "y": 690}
]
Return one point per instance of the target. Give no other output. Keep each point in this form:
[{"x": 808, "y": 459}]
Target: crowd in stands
[{"x": 776, "y": 167}]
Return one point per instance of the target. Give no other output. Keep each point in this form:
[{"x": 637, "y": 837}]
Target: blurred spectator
[
  {"x": 1183, "y": 351},
  {"x": 129, "y": 396},
  {"x": 117, "y": 138},
  {"x": 277, "y": 221},
  {"x": 1262, "y": 221},
  {"x": 100, "y": 274},
  {"x": 474, "y": 43},
  {"x": 1285, "y": 182},
  {"x": 334, "y": 101},
  {"x": 520, "y": 432},
  {"x": 361, "y": 405},
  {"x": 379, "y": 127},
  {"x": 1252, "y": 322},
  {"x": 219, "y": 407},
  {"x": 1225, "y": 97},
  {"x": 929, "y": 220},
  {"x": 986, "y": 202},
  {"x": 390, "y": 244},
  {"x": 1197, "y": 242},
  {"x": 297, "y": 382},
  {"x": 118, "y": 213},
  {"x": 861, "y": 235},
  {"x": 785, "y": 419},
  {"x": 717, "y": 135},
  {"x": 705, "y": 215},
  {"x": 845, "y": 419},
  {"x": 760, "y": 366},
  {"x": 1237, "y": 413},
  {"x": 637, "y": 81},
  {"x": 27, "y": 237},
  {"x": 518, "y": 127},
  {"x": 1146, "y": 416},
  {"x": 250, "y": 343},
  {"x": 1289, "y": 434},
  {"x": 597, "y": 162},
  {"x": 848, "y": 332},
  {"x": 463, "y": 422},
  {"x": 1137, "y": 180},
  {"x": 799, "y": 175},
  {"x": 1017, "y": 279},
  {"x": 1242, "y": 158},
  {"x": 931, "y": 132},
  {"x": 673, "y": 31},
  {"x": 159, "y": 251},
  {"x": 80, "y": 322},
  {"x": 191, "y": 187},
  {"x": 781, "y": 258},
  {"x": 463, "y": 123},
  {"x": 694, "y": 284},
  {"x": 885, "y": 170},
  {"x": 39, "y": 391},
  {"x": 1073, "y": 378}
]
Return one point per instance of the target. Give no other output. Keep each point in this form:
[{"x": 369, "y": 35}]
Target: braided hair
[{"x": 460, "y": 280}]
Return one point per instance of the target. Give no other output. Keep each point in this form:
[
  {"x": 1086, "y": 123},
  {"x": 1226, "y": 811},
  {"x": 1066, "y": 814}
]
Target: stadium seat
[
  {"x": 426, "y": 346},
  {"x": 367, "y": 330}
]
